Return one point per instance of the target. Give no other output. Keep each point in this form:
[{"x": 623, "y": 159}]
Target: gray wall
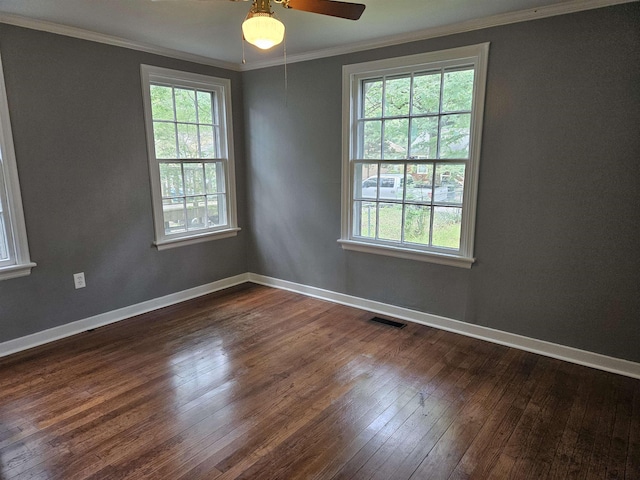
[
  {"x": 557, "y": 224},
  {"x": 76, "y": 111}
]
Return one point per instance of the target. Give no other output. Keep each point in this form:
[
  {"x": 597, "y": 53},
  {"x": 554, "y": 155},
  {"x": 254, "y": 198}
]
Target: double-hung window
[
  {"x": 190, "y": 145},
  {"x": 412, "y": 128},
  {"x": 14, "y": 250}
]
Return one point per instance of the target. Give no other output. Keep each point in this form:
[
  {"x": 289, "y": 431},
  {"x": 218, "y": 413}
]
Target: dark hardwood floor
[{"x": 257, "y": 383}]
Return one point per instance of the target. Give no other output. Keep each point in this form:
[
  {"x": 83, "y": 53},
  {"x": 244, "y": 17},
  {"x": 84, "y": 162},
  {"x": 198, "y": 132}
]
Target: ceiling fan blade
[
  {"x": 200, "y": 0},
  {"x": 351, "y": 11}
]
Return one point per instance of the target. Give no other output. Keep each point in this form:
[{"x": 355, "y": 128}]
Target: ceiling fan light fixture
[{"x": 263, "y": 30}]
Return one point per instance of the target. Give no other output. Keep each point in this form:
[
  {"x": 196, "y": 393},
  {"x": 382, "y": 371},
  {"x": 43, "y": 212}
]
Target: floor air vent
[{"x": 388, "y": 322}]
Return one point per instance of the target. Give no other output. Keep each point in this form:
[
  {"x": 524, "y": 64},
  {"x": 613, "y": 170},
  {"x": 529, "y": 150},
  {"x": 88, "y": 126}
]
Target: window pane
[
  {"x": 194, "y": 178},
  {"x": 454, "y": 136},
  {"x": 426, "y": 94},
  {"x": 396, "y": 96},
  {"x": 171, "y": 179},
  {"x": 364, "y": 215},
  {"x": 372, "y": 99},
  {"x": 392, "y": 181},
  {"x": 424, "y": 137},
  {"x": 196, "y": 212},
  {"x": 185, "y": 105},
  {"x": 174, "y": 216},
  {"x": 371, "y": 135},
  {"x": 392, "y": 169},
  {"x": 213, "y": 211},
  {"x": 161, "y": 103},
  {"x": 214, "y": 177},
  {"x": 187, "y": 141},
  {"x": 396, "y": 138},
  {"x": 420, "y": 190},
  {"x": 446, "y": 227},
  {"x": 390, "y": 221},
  {"x": 207, "y": 145},
  {"x": 457, "y": 91},
  {"x": 417, "y": 222},
  {"x": 366, "y": 180},
  {"x": 450, "y": 182},
  {"x": 164, "y": 135},
  {"x": 222, "y": 209},
  {"x": 204, "y": 107},
  {"x": 4, "y": 249},
  {"x": 216, "y": 109}
]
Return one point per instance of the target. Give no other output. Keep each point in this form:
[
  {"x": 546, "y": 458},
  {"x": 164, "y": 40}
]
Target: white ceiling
[{"x": 211, "y": 28}]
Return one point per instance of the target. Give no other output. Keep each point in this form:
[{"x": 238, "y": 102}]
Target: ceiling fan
[{"x": 262, "y": 29}]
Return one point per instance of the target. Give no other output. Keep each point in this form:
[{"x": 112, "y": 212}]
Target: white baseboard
[
  {"x": 561, "y": 352},
  {"x": 56, "y": 333},
  {"x": 541, "y": 347}
]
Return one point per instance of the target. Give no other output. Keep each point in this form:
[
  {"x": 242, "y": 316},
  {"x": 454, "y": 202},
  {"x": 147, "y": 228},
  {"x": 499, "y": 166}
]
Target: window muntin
[
  {"x": 14, "y": 249},
  {"x": 412, "y": 141},
  {"x": 191, "y": 163}
]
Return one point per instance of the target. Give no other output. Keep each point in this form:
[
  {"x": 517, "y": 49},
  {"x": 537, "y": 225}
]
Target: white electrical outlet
[{"x": 78, "y": 279}]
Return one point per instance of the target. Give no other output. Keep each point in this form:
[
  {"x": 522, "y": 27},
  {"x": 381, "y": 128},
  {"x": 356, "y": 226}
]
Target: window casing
[
  {"x": 14, "y": 249},
  {"x": 411, "y": 146},
  {"x": 190, "y": 145}
]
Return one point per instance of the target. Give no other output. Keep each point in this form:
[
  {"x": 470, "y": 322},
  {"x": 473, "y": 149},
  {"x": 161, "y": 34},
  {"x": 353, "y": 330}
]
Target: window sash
[{"x": 191, "y": 209}]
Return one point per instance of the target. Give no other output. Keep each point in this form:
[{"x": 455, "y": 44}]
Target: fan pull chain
[
  {"x": 286, "y": 83},
  {"x": 243, "y": 59}
]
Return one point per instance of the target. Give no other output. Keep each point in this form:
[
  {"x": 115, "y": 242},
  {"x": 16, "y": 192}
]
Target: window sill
[
  {"x": 399, "y": 252},
  {"x": 14, "y": 271},
  {"x": 205, "y": 237}
]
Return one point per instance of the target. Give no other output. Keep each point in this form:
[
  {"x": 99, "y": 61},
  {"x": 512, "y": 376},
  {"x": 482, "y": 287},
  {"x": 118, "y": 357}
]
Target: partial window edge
[
  {"x": 21, "y": 260},
  {"x": 166, "y": 244},
  {"x": 15, "y": 271},
  {"x": 406, "y": 253}
]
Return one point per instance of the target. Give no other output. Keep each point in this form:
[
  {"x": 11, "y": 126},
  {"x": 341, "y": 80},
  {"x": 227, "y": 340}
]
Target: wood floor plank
[
  {"x": 599, "y": 462},
  {"x": 451, "y": 447},
  {"x": 433, "y": 367},
  {"x": 632, "y": 467},
  {"x": 309, "y": 397},
  {"x": 198, "y": 419},
  {"x": 548, "y": 434},
  {"x": 569, "y": 437},
  {"x": 376, "y": 378},
  {"x": 385, "y": 459},
  {"x": 477, "y": 390},
  {"x": 579, "y": 460},
  {"x": 258, "y": 383},
  {"x": 483, "y": 452}
]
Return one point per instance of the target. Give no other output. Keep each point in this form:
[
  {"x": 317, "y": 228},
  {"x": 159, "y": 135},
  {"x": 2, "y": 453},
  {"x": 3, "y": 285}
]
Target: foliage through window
[
  {"x": 413, "y": 126},
  {"x": 191, "y": 165}
]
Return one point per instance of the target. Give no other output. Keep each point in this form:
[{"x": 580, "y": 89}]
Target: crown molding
[
  {"x": 571, "y": 6},
  {"x": 82, "y": 34}
]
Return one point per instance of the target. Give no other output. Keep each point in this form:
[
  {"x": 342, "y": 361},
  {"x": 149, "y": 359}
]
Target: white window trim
[
  {"x": 476, "y": 55},
  {"x": 150, "y": 74},
  {"x": 20, "y": 261}
]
